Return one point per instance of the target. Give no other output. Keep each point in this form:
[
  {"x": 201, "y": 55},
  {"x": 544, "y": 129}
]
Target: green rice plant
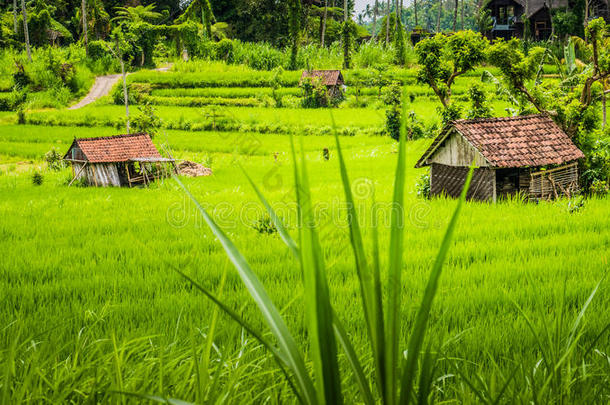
[{"x": 394, "y": 373}]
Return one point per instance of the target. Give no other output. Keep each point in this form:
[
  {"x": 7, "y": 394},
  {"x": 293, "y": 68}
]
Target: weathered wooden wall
[
  {"x": 456, "y": 151},
  {"x": 449, "y": 180},
  {"x": 99, "y": 174}
]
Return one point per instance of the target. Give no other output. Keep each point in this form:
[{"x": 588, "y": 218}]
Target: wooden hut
[
  {"x": 510, "y": 17},
  {"x": 120, "y": 160},
  {"x": 332, "y": 79},
  {"x": 527, "y": 154}
]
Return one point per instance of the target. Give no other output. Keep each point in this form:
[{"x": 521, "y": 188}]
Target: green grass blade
[
  {"x": 281, "y": 360},
  {"x": 287, "y": 345},
  {"x": 352, "y": 358},
  {"x": 276, "y": 220},
  {"x": 371, "y": 297},
  {"x": 419, "y": 328},
  {"x": 394, "y": 285},
  {"x": 320, "y": 312}
]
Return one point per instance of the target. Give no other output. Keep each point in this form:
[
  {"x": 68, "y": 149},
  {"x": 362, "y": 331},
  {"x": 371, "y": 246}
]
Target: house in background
[
  {"x": 510, "y": 16},
  {"x": 120, "y": 160},
  {"x": 331, "y": 79},
  {"x": 527, "y": 154}
]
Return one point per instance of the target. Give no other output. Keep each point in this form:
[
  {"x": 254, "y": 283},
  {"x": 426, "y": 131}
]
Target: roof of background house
[
  {"x": 118, "y": 148},
  {"x": 535, "y": 5},
  {"x": 329, "y": 77},
  {"x": 529, "y": 140}
]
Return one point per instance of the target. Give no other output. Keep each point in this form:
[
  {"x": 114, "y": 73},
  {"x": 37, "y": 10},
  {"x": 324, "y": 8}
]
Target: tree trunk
[
  {"x": 387, "y": 28},
  {"x": 375, "y": 9},
  {"x": 26, "y": 34},
  {"x": 462, "y": 17},
  {"x": 397, "y": 14},
  {"x": 324, "y": 23},
  {"x": 15, "y": 16},
  {"x": 455, "y": 13},
  {"x": 415, "y": 12},
  {"x": 84, "y": 11},
  {"x": 604, "y": 104},
  {"x": 438, "y": 16},
  {"x": 125, "y": 95},
  {"x": 586, "y": 14}
]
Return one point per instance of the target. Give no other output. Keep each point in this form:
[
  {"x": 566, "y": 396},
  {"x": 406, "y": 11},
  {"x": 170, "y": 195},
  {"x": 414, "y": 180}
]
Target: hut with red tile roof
[
  {"x": 331, "y": 79},
  {"x": 526, "y": 154},
  {"x": 120, "y": 160}
]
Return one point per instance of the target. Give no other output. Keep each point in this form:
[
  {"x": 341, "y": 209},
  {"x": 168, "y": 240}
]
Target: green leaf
[
  {"x": 394, "y": 285},
  {"x": 419, "y": 328},
  {"x": 371, "y": 297},
  {"x": 276, "y": 220},
  {"x": 320, "y": 312},
  {"x": 287, "y": 345}
]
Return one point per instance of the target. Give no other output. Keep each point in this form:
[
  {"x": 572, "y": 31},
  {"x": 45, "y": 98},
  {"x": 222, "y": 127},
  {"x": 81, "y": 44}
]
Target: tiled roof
[
  {"x": 118, "y": 148},
  {"x": 530, "y": 140},
  {"x": 329, "y": 77}
]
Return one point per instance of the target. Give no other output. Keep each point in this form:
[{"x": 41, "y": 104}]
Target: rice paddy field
[{"x": 95, "y": 311}]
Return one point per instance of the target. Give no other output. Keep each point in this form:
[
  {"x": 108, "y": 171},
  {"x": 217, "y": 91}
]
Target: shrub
[
  {"x": 54, "y": 160},
  {"x": 225, "y": 50},
  {"x": 598, "y": 188},
  {"x": 392, "y": 98},
  {"x": 422, "y": 187},
  {"x": 37, "y": 178},
  {"x": 314, "y": 93},
  {"x": 264, "y": 225},
  {"x": 147, "y": 120}
]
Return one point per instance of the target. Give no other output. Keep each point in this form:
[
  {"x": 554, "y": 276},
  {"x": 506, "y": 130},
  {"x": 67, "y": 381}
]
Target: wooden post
[
  {"x": 94, "y": 175},
  {"x": 128, "y": 176},
  {"x": 79, "y": 172}
]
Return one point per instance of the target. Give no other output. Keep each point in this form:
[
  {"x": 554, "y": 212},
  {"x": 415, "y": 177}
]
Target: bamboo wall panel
[{"x": 449, "y": 180}]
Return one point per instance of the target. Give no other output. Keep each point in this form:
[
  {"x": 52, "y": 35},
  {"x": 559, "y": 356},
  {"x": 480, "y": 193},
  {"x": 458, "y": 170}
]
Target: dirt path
[{"x": 102, "y": 86}]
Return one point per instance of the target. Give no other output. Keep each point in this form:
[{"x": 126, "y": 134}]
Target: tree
[
  {"x": 571, "y": 103},
  {"x": 400, "y": 42},
  {"x": 84, "y": 12},
  {"x": 295, "y": 28},
  {"x": 387, "y": 28},
  {"x": 415, "y": 12},
  {"x": 137, "y": 14},
  {"x": 323, "y": 28},
  {"x": 25, "y": 30},
  {"x": 455, "y": 13},
  {"x": 443, "y": 59},
  {"x": 439, "y": 15},
  {"x": 15, "y": 16},
  {"x": 207, "y": 16},
  {"x": 375, "y": 11}
]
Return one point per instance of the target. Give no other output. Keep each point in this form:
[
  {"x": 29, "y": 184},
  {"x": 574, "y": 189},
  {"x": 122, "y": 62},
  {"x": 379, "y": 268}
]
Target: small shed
[
  {"x": 527, "y": 154},
  {"x": 120, "y": 160},
  {"x": 332, "y": 79}
]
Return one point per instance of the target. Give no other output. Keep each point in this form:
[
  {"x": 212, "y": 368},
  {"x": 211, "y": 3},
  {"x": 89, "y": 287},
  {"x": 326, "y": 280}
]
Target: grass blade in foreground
[
  {"x": 419, "y": 328},
  {"x": 393, "y": 305},
  {"x": 320, "y": 312},
  {"x": 278, "y": 327},
  {"x": 371, "y": 297}
]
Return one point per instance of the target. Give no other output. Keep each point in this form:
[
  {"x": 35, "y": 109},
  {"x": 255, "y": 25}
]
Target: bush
[
  {"x": 54, "y": 160},
  {"x": 422, "y": 187},
  {"x": 392, "y": 97},
  {"x": 264, "y": 225},
  {"x": 224, "y": 50},
  {"x": 37, "y": 178},
  {"x": 315, "y": 94},
  {"x": 598, "y": 188}
]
